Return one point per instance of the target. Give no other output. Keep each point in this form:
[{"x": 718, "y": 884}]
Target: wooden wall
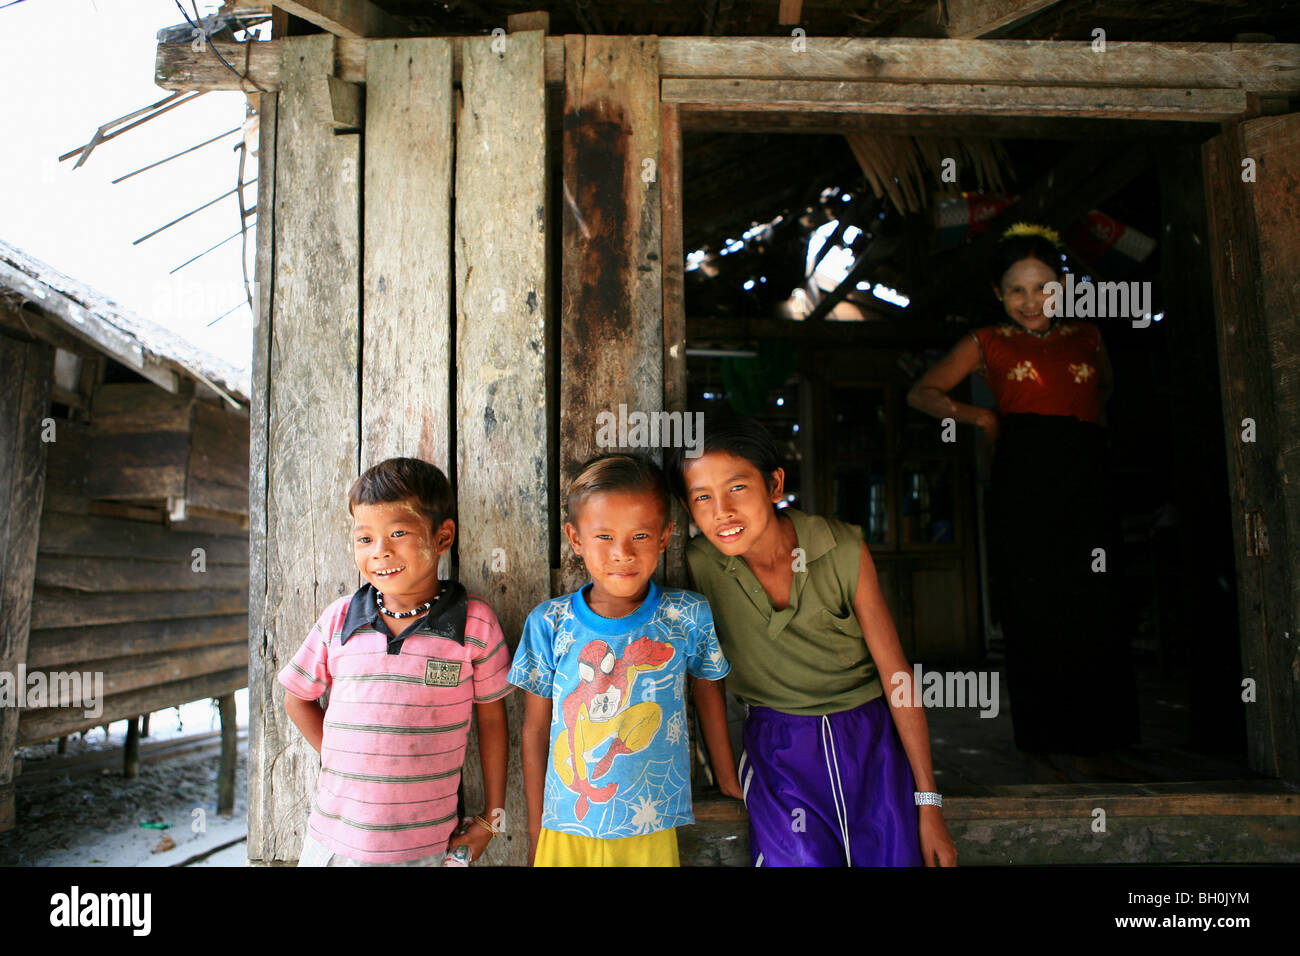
[
  {"x": 24, "y": 403},
  {"x": 490, "y": 419},
  {"x": 160, "y": 610}
]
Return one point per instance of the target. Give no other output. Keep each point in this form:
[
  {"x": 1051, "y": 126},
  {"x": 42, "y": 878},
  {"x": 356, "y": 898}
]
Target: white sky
[{"x": 68, "y": 67}]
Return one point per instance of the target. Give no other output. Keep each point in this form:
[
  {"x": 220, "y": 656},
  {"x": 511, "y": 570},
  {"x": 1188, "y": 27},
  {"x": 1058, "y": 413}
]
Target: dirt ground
[{"x": 77, "y": 809}]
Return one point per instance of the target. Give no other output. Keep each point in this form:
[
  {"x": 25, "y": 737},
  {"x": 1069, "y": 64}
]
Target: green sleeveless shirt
[{"x": 809, "y": 658}]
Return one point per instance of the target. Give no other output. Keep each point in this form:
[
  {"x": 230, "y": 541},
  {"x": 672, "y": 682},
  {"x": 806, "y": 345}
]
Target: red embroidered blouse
[{"x": 1055, "y": 374}]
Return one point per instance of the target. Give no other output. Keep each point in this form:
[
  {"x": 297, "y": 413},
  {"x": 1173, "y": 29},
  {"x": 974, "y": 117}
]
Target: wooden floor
[{"x": 1159, "y": 802}]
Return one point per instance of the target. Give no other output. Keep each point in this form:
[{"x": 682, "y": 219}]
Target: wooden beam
[
  {"x": 533, "y": 20},
  {"x": 352, "y": 19},
  {"x": 1253, "y": 229},
  {"x": 994, "y": 127},
  {"x": 407, "y": 281},
  {"x": 611, "y": 334},
  {"x": 1257, "y": 67},
  {"x": 229, "y": 755},
  {"x": 261, "y": 666},
  {"x": 975, "y": 18},
  {"x": 956, "y": 98},
  {"x": 24, "y": 403},
  {"x": 339, "y": 103},
  {"x": 313, "y": 383},
  {"x": 50, "y": 722},
  {"x": 674, "y": 312},
  {"x": 789, "y": 12},
  {"x": 503, "y": 336}
]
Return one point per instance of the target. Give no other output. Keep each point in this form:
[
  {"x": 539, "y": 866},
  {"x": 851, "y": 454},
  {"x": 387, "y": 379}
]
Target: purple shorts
[{"x": 828, "y": 791}]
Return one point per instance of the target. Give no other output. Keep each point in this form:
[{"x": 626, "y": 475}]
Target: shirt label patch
[{"x": 442, "y": 673}]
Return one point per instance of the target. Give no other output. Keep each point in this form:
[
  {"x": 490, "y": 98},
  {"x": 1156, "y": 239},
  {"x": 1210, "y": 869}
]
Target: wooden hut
[
  {"x": 124, "y": 456},
  {"x": 487, "y": 333}
]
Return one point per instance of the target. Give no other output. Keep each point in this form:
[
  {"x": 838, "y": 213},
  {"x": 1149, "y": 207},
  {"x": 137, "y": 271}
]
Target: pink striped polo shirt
[{"x": 398, "y": 720}]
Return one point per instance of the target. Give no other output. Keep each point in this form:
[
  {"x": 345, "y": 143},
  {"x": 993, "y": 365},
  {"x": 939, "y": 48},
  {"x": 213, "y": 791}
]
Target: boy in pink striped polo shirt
[{"x": 405, "y": 660}]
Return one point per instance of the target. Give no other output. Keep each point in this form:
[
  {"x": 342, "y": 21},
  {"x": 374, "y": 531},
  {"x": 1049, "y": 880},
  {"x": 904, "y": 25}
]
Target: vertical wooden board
[
  {"x": 1263, "y": 582},
  {"x": 611, "y": 336},
  {"x": 24, "y": 402},
  {"x": 406, "y": 359},
  {"x": 501, "y": 339},
  {"x": 261, "y": 677},
  {"x": 313, "y": 417},
  {"x": 674, "y": 312},
  {"x": 1274, "y": 143}
]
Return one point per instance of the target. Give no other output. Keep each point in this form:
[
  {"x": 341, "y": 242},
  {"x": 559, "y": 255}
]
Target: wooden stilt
[
  {"x": 131, "y": 752},
  {"x": 144, "y": 726},
  {"x": 229, "y": 756},
  {"x": 63, "y": 745}
]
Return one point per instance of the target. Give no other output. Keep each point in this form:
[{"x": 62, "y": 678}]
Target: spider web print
[{"x": 651, "y": 802}]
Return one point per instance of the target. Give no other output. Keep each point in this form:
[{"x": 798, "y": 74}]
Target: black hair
[
  {"x": 1014, "y": 248},
  {"x": 738, "y": 435},
  {"x": 399, "y": 479},
  {"x": 617, "y": 472}
]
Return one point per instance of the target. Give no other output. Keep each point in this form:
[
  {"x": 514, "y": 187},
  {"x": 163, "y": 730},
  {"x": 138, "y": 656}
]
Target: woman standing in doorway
[{"x": 1068, "y": 668}]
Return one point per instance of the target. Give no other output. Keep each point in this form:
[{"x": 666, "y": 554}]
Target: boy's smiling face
[
  {"x": 397, "y": 551},
  {"x": 619, "y": 536},
  {"x": 730, "y": 500}
]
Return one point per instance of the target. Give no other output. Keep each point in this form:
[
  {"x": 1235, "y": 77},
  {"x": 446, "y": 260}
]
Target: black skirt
[{"x": 1068, "y": 665}]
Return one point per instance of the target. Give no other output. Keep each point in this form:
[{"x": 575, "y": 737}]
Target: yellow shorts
[{"x": 566, "y": 849}]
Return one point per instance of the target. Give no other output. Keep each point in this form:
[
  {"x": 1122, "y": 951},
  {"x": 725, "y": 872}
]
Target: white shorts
[{"x": 315, "y": 853}]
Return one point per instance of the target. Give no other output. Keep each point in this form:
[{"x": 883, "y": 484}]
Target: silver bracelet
[{"x": 928, "y": 798}]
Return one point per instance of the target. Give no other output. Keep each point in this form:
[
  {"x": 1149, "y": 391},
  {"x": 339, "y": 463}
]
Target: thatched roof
[{"x": 119, "y": 333}]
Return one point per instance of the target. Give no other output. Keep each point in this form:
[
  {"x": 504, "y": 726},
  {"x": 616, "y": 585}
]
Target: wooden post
[
  {"x": 229, "y": 755},
  {"x": 63, "y": 744},
  {"x": 144, "y": 725},
  {"x": 407, "y": 271},
  {"x": 24, "y": 430},
  {"x": 673, "y": 263},
  {"x": 311, "y": 442},
  {"x": 612, "y": 333},
  {"x": 1250, "y": 175},
  {"x": 131, "y": 749},
  {"x": 502, "y": 340}
]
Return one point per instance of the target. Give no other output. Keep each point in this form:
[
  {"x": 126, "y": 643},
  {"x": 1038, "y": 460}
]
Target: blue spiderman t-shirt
[{"x": 619, "y": 762}]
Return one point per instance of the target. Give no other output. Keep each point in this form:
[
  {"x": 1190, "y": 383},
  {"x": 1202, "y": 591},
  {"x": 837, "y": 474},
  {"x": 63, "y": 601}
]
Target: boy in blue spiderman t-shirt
[{"x": 605, "y": 747}]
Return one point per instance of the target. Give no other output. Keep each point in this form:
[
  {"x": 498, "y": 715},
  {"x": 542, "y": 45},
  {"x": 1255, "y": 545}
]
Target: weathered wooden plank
[
  {"x": 119, "y": 574},
  {"x": 501, "y": 344},
  {"x": 1265, "y": 557},
  {"x": 212, "y": 496},
  {"x": 126, "y": 407},
  {"x": 92, "y": 536},
  {"x": 674, "y": 310},
  {"x": 407, "y": 273},
  {"x": 346, "y": 18},
  {"x": 74, "y": 645},
  {"x": 24, "y": 402},
  {"x": 1273, "y": 142},
  {"x": 1259, "y": 67},
  {"x": 121, "y": 675},
  {"x": 973, "y": 18},
  {"x": 611, "y": 335},
  {"x": 1190, "y": 105},
  {"x": 88, "y": 326},
  {"x": 261, "y": 663},
  {"x": 313, "y": 420},
  {"x": 59, "y": 608},
  {"x": 995, "y": 127},
  {"x": 50, "y": 722},
  {"x": 137, "y": 466}
]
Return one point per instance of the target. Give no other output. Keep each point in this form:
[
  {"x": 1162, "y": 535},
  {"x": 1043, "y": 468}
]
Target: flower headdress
[{"x": 1033, "y": 229}]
